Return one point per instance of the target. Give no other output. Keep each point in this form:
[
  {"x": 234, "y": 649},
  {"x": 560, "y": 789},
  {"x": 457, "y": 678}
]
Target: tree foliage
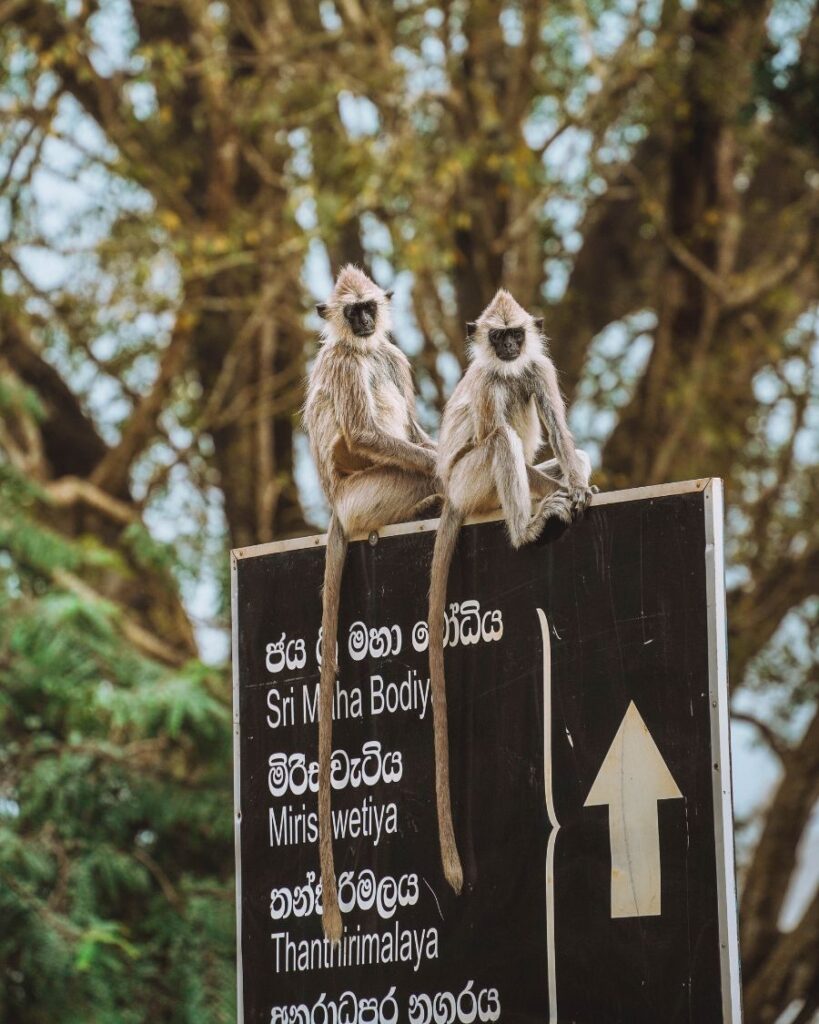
[{"x": 177, "y": 180}]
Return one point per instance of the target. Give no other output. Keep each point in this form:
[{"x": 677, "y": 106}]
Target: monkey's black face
[
  {"x": 361, "y": 317},
  {"x": 507, "y": 342}
]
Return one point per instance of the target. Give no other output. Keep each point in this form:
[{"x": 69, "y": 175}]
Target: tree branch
[
  {"x": 71, "y": 442},
  {"x": 789, "y": 972},
  {"x": 149, "y": 644},
  {"x": 71, "y": 490},
  {"x": 769, "y": 873},
  {"x": 766, "y": 732},
  {"x": 113, "y": 472},
  {"x": 755, "y": 612}
]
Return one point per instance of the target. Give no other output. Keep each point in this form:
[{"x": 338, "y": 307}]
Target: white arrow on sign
[{"x": 632, "y": 778}]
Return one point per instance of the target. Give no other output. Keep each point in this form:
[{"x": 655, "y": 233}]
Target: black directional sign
[{"x": 590, "y": 776}]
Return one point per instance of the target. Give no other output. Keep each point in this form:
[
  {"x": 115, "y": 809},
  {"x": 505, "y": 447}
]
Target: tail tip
[
  {"x": 333, "y": 927},
  {"x": 453, "y": 872}
]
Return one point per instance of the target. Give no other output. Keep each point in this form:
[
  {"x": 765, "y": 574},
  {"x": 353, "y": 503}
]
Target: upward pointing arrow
[{"x": 632, "y": 778}]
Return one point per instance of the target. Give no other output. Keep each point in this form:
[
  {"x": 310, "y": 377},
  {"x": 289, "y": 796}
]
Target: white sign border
[
  {"x": 721, "y": 751},
  {"x": 237, "y": 781}
]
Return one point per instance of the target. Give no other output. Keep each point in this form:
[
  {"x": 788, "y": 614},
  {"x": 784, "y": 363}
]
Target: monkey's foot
[
  {"x": 554, "y": 506},
  {"x": 453, "y": 872},
  {"x": 333, "y": 927}
]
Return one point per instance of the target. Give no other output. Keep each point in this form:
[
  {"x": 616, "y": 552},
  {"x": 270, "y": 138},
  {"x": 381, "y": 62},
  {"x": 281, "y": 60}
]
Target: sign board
[{"x": 588, "y": 718}]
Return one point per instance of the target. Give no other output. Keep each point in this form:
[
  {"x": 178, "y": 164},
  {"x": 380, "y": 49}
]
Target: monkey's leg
[
  {"x": 333, "y": 569},
  {"x": 511, "y": 482},
  {"x": 445, "y": 541},
  {"x": 379, "y": 496}
]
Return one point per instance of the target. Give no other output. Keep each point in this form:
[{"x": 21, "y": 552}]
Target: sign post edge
[
  {"x": 721, "y": 750},
  {"x": 237, "y": 792}
]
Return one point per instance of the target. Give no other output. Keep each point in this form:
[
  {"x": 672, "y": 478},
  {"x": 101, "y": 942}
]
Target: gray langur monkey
[
  {"x": 490, "y": 434},
  {"x": 376, "y": 466}
]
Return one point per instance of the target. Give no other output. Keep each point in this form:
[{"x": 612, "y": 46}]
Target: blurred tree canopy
[{"x": 177, "y": 181}]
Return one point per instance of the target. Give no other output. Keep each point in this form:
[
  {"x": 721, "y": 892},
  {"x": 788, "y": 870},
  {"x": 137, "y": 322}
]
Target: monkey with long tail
[
  {"x": 490, "y": 433},
  {"x": 376, "y": 466}
]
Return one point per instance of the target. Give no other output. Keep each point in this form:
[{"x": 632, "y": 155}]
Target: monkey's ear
[
  {"x": 471, "y": 327},
  {"x": 389, "y": 294},
  {"x": 539, "y": 324},
  {"x": 323, "y": 310}
]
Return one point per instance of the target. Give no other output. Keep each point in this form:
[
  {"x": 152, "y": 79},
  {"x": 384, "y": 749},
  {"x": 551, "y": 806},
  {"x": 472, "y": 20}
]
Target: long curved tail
[
  {"x": 331, "y": 595},
  {"x": 445, "y": 540}
]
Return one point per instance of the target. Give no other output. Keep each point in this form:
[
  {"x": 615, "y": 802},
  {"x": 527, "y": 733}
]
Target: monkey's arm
[
  {"x": 364, "y": 435},
  {"x": 388, "y": 450},
  {"x": 552, "y": 413},
  {"x": 403, "y": 373}
]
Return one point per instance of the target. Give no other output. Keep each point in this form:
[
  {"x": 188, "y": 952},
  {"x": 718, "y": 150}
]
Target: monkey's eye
[
  {"x": 516, "y": 333},
  {"x": 496, "y": 335},
  {"x": 359, "y": 308}
]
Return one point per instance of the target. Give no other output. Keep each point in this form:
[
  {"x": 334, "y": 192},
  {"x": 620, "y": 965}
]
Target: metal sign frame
[{"x": 712, "y": 491}]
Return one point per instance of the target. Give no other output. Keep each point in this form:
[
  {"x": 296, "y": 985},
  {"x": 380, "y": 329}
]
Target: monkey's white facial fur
[
  {"x": 505, "y": 337},
  {"x": 358, "y": 311}
]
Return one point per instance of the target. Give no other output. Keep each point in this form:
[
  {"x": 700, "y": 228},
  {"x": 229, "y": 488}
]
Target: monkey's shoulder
[
  {"x": 394, "y": 348},
  {"x": 466, "y": 390},
  {"x": 394, "y": 353},
  {"x": 388, "y": 362},
  {"x": 475, "y": 378}
]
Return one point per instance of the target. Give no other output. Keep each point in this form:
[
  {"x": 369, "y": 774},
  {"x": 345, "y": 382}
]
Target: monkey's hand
[
  {"x": 429, "y": 508},
  {"x": 580, "y": 495}
]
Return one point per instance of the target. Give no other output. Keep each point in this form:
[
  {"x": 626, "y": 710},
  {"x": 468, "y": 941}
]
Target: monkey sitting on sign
[
  {"x": 376, "y": 466},
  {"x": 490, "y": 433}
]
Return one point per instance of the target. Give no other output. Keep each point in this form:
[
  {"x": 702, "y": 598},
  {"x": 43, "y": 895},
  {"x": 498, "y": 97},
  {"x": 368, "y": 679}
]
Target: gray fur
[
  {"x": 490, "y": 434},
  {"x": 376, "y": 466}
]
